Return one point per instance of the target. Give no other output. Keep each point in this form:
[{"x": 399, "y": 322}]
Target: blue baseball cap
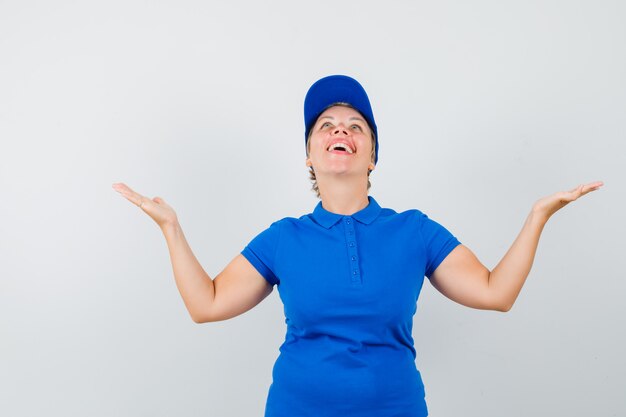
[{"x": 334, "y": 89}]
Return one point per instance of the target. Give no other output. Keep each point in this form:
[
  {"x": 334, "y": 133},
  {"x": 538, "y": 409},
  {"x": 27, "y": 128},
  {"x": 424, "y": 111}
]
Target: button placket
[{"x": 355, "y": 273}]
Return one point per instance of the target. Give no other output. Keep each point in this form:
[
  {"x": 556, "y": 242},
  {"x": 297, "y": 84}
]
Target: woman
[{"x": 349, "y": 273}]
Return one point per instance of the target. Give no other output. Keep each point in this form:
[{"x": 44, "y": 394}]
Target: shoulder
[
  {"x": 294, "y": 221},
  {"x": 410, "y": 221},
  {"x": 416, "y": 215},
  {"x": 290, "y": 223},
  {"x": 289, "y": 220},
  {"x": 406, "y": 216}
]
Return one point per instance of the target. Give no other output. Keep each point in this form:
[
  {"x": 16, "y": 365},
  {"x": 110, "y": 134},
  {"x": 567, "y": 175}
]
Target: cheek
[
  {"x": 311, "y": 144},
  {"x": 315, "y": 144},
  {"x": 367, "y": 146}
]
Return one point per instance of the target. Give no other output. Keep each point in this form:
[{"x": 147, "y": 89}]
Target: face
[{"x": 349, "y": 130}]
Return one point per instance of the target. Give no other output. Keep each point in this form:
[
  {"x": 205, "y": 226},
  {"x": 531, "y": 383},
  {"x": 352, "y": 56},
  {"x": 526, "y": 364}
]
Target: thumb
[{"x": 161, "y": 202}]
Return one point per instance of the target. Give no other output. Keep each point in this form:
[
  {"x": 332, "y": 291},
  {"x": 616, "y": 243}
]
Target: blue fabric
[{"x": 349, "y": 285}]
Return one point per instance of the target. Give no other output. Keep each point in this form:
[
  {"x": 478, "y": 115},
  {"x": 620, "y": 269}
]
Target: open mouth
[{"x": 340, "y": 148}]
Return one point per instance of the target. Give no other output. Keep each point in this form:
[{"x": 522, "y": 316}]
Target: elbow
[
  {"x": 503, "y": 307},
  {"x": 498, "y": 303},
  {"x": 197, "y": 320},
  {"x": 200, "y": 318},
  {"x": 206, "y": 317}
]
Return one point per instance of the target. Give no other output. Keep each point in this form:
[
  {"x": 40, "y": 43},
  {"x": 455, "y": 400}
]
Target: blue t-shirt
[{"x": 349, "y": 285}]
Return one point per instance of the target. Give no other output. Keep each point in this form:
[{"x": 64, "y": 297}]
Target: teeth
[{"x": 340, "y": 144}]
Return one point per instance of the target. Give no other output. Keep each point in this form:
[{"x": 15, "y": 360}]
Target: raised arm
[
  {"x": 235, "y": 290},
  {"x": 464, "y": 279}
]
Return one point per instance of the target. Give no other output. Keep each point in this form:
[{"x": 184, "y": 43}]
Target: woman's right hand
[{"x": 161, "y": 212}]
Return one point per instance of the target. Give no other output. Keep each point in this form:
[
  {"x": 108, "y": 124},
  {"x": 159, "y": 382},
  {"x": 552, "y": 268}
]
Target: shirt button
[
  {"x": 355, "y": 272},
  {"x": 354, "y": 258},
  {"x": 348, "y": 221},
  {"x": 351, "y": 244}
]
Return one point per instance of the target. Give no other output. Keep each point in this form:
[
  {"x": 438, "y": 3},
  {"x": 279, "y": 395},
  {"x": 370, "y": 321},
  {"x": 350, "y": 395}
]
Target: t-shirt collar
[{"x": 366, "y": 215}]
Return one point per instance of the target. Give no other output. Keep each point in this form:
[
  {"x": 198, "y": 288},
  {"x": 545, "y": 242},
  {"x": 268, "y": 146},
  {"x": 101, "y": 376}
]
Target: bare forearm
[
  {"x": 508, "y": 277},
  {"x": 464, "y": 279},
  {"x": 194, "y": 284}
]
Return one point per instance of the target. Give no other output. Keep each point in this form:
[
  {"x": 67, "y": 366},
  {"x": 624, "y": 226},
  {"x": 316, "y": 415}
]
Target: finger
[
  {"x": 576, "y": 189},
  {"x": 119, "y": 186},
  {"x": 131, "y": 195},
  {"x": 160, "y": 201},
  {"x": 594, "y": 186},
  {"x": 581, "y": 190},
  {"x": 122, "y": 188},
  {"x": 587, "y": 188}
]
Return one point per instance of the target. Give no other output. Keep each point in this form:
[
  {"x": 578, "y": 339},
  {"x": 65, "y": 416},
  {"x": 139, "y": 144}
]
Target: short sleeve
[
  {"x": 261, "y": 252},
  {"x": 438, "y": 242}
]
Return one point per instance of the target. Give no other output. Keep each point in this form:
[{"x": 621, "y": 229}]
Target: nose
[{"x": 340, "y": 129}]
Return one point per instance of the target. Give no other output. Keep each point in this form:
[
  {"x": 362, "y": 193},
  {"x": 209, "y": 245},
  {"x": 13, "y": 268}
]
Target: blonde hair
[{"x": 313, "y": 178}]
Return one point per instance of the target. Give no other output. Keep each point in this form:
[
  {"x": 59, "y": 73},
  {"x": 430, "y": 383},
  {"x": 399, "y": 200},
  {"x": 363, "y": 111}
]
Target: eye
[
  {"x": 356, "y": 127},
  {"x": 325, "y": 124}
]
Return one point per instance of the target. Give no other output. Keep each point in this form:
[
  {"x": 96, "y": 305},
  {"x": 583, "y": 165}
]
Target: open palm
[
  {"x": 161, "y": 212},
  {"x": 549, "y": 205}
]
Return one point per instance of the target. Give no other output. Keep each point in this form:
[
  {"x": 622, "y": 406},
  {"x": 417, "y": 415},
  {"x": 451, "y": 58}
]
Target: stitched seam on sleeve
[
  {"x": 280, "y": 232},
  {"x": 419, "y": 228},
  {"x": 445, "y": 251}
]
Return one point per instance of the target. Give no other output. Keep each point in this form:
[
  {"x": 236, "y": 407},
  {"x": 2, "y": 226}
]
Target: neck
[{"x": 343, "y": 195}]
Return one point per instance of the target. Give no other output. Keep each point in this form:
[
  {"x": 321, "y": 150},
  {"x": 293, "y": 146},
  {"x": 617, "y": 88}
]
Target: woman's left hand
[{"x": 549, "y": 205}]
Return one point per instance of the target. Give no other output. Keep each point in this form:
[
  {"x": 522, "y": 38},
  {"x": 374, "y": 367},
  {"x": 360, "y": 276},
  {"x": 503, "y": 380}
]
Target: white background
[{"x": 483, "y": 107}]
